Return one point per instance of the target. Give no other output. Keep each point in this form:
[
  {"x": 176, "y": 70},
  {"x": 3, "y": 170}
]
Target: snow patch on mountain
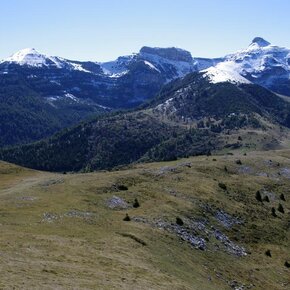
[
  {"x": 31, "y": 57},
  {"x": 162, "y": 63},
  {"x": 260, "y": 56},
  {"x": 77, "y": 66},
  {"x": 172, "y": 61},
  {"x": 204, "y": 63},
  {"x": 151, "y": 65},
  {"x": 167, "y": 105},
  {"x": 225, "y": 72},
  {"x": 260, "y": 62},
  {"x": 72, "y": 97},
  {"x": 118, "y": 67}
]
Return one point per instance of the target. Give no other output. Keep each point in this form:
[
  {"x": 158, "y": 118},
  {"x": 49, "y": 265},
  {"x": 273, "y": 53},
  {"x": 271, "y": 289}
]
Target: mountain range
[
  {"x": 187, "y": 188},
  {"x": 190, "y": 116},
  {"x": 185, "y": 105},
  {"x": 41, "y": 94}
]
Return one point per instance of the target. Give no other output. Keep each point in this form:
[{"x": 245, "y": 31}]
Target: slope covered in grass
[{"x": 67, "y": 230}]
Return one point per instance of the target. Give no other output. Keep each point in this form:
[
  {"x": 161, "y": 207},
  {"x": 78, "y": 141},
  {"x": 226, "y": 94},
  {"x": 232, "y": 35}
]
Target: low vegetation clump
[
  {"x": 268, "y": 253},
  {"x": 222, "y": 186},
  {"x": 179, "y": 221},
  {"x": 280, "y": 208},
  {"x": 266, "y": 198},
  {"x": 127, "y": 218},
  {"x": 136, "y": 203},
  {"x": 122, "y": 187},
  {"x": 273, "y": 212},
  {"x": 259, "y": 196}
]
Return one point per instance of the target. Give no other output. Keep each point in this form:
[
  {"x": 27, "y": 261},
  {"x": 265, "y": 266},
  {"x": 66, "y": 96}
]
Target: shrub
[
  {"x": 239, "y": 162},
  {"x": 136, "y": 203},
  {"x": 282, "y": 197},
  {"x": 179, "y": 221},
  {"x": 226, "y": 169},
  {"x": 258, "y": 196},
  {"x": 122, "y": 187},
  {"x": 222, "y": 186},
  {"x": 266, "y": 198},
  {"x": 287, "y": 264},
  {"x": 126, "y": 218},
  {"x": 273, "y": 211},
  {"x": 280, "y": 208},
  {"x": 268, "y": 253}
]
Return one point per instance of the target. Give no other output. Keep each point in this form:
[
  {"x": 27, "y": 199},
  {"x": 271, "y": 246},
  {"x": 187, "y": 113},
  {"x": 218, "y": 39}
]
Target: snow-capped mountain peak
[
  {"x": 21, "y": 55},
  {"x": 31, "y": 57},
  {"x": 172, "y": 62},
  {"x": 261, "y": 63}
]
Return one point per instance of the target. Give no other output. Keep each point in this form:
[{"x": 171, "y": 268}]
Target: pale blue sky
[{"x": 104, "y": 29}]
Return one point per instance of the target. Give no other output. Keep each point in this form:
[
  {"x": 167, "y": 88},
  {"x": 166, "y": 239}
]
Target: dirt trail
[{"x": 20, "y": 185}]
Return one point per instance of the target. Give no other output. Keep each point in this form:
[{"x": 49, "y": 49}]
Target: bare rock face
[
  {"x": 117, "y": 203},
  {"x": 260, "y": 41},
  {"x": 171, "y": 53}
]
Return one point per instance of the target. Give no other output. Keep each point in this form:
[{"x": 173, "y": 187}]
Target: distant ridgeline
[
  {"x": 42, "y": 94},
  {"x": 190, "y": 116}
]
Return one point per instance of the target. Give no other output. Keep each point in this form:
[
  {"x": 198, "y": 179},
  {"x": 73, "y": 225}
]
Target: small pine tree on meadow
[
  {"x": 258, "y": 196},
  {"x": 222, "y": 186},
  {"x": 280, "y": 208},
  {"x": 268, "y": 253},
  {"x": 127, "y": 218},
  {"x": 273, "y": 211},
  {"x": 136, "y": 203},
  {"x": 282, "y": 197},
  {"x": 266, "y": 198},
  {"x": 122, "y": 187}
]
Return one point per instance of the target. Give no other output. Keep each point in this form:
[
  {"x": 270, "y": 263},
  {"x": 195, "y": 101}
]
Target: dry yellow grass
[{"x": 57, "y": 231}]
